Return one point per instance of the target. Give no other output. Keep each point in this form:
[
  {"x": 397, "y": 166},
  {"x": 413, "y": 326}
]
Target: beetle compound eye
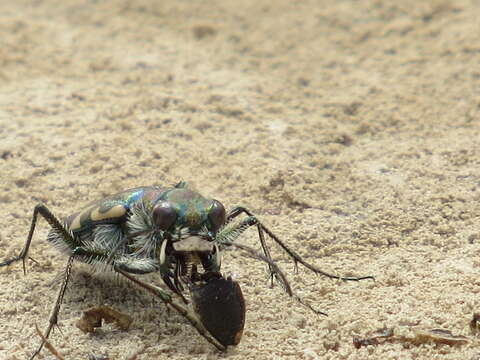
[
  {"x": 216, "y": 215},
  {"x": 164, "y": 215}
]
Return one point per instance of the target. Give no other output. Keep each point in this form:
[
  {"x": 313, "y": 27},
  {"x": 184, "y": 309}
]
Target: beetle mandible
[{"x": 172, "y": 231}]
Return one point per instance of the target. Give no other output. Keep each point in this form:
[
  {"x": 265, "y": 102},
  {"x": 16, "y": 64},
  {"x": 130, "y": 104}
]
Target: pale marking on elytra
[
  {"x": 114, "y": 212},
  {"x": 76, "y": 222},
  {"x": 95, "y": 215}
]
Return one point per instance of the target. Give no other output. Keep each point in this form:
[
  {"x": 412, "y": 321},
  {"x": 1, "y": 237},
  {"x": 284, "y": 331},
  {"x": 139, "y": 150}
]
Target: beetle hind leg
[{"x": 57, "y": 227}]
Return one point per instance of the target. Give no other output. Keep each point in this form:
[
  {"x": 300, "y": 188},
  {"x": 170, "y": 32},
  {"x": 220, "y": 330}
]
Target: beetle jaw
[{"x": 190, "y": 253}]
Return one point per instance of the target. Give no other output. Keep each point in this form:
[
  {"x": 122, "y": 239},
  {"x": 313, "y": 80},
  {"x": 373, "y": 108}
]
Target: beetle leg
[
  {"x": 279, "y": 275},
  {"x": 229, "y": 233},
  {"x": 56, "y": 224},
  {"x": 168, "y": 300},
  {"x": 252, "y": 220},
  {"x": 239, "y": 210},
  {"x": 56, "y": 309}
]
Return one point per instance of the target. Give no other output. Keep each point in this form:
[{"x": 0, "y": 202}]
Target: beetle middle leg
[{"x": 53, "y": 320}]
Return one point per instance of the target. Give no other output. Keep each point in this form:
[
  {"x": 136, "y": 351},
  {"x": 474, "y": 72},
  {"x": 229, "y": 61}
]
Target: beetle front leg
[
  {"x": 276, "y": 273},
  {"x": 252, "y": 220},
  {"x": 168, "y": 300}
]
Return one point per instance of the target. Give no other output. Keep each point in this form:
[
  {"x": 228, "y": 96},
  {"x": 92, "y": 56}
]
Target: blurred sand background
[{"x": 350, "y": 127}]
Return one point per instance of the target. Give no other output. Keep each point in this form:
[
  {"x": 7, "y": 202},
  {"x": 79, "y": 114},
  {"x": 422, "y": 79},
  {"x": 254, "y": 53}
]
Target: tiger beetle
[{"x": 175, "y": 232}]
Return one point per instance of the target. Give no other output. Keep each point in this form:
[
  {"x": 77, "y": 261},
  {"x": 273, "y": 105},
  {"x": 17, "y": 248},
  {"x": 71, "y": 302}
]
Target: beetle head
[
  {"x": 189, "y": 223},
  {"x": 183, "y": 212}
]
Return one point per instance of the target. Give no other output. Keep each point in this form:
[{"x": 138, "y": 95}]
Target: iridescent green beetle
[{"x": 177, "y": 233}]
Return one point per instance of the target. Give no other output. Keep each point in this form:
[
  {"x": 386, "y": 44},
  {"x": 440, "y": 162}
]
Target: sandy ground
[{"x": 351, "y": 128}]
